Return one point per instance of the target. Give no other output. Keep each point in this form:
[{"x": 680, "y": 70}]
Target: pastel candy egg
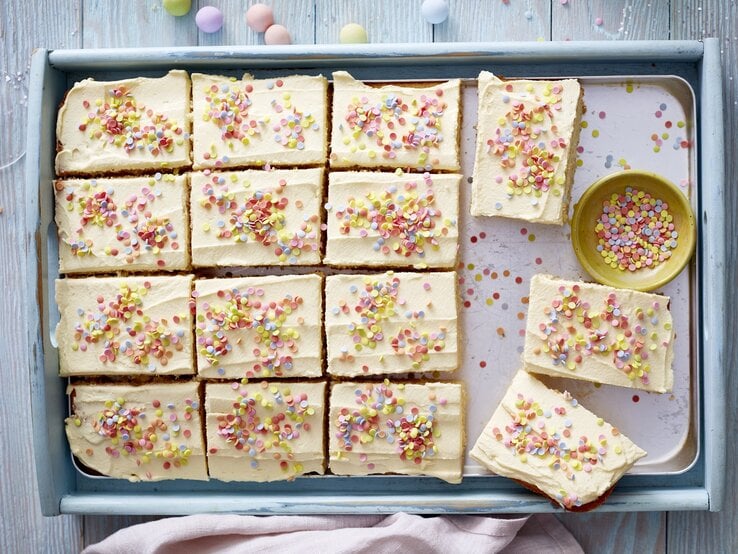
[
  {"x": 209, "y": 19},
  {"x": 177, "y": 7},
  {"x": 353, "y": 33},
  {"x": 434, "y": 11},
  {"x": 277, "y": 34},
  {"x": 259, "y": 17}
]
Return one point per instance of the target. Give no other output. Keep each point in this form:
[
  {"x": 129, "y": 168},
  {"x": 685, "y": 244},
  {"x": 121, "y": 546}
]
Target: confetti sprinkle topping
[
  {"x": 268, "y": 421},
  {"x": 260, "y": 218},
  {"x": 274, "y": 341},
  {"x": 118, "y": 120},
  {"x": 228, "y": 108},
  {"x": 574, "y": 330},
  {"x": 136, "y": 229},
  {"x": 378, "y": 302},
  {"x": 396, "y": 125},
  {"x": 120, "y": 326},
  {"x": 525, "y": 140},
  {"x": 407, "y": 222},
  {"x": 381, "y": 413},
  {"x": 635, "y": 231},
  {"x": 531, "y": 433},
  {"x": 157, "y": 435}
]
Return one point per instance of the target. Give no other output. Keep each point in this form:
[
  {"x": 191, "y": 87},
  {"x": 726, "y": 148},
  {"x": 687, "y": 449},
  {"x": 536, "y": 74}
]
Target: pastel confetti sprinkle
[
  {"x": 121, "y": 328},
  {"x": 118, "y": 120},
  {"x": 408, "y": 222},
  {"x": 274, "y": 342},
  {"x": 635, "y": 231},
  {"x": 131, "y": 431},
  {"x": 259, "y": 217},
  {"x": 267, "y": 421}
]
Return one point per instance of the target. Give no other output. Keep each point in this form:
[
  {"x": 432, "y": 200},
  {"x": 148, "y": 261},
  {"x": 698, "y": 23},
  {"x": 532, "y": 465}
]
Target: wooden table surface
[{"x": 25, "y": 25}]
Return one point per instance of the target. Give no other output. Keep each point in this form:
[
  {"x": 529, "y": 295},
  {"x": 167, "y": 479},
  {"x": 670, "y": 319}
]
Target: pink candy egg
[
  {"x": 259, "y": 17},
  {"x": 277, "y": 34},
  {"x": 209, "y": 19}
]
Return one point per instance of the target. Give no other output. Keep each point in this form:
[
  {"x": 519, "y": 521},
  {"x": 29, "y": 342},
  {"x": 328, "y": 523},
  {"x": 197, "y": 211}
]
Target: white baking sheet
[{"x": 639, "y": 123}]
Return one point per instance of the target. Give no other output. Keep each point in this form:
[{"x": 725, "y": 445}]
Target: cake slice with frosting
[
  {"x": 139, "y": 125},
  {"x": 256, "y": 218},
  {"x": 412, "y": 126},
  {"x": 252, "y": 122},
  {"x": 265, "y": 431},
  {"x": 392, "y": 220},
  {"x": 138, "y": 325},
  {"x": 392, "y": 427},
  {"x": 548, "y": 442},
  {"x": 527, "y": 135},
  {"x": 259, "y": 327},
  {"x": 130, "y": 223},
  {"x": 389, "y": 323},
  {"x": 140, "y": 433},
  {"x": 601, "y": 334}
]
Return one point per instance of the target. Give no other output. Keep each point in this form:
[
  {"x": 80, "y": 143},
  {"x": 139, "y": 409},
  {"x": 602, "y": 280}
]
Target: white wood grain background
[{"x": 108, "y": 23}]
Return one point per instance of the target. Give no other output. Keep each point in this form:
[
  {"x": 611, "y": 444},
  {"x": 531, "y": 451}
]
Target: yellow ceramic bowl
[{"x": 585, "y": 241}]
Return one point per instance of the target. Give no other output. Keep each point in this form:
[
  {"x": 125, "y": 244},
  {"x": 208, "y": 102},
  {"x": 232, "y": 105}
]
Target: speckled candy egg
[
  {"x": 353, "y": 33},
  {"x": 259, "y": 17},
  {"x": 434, "y": 11},
  {"x": 277, "y": 34},
  {"x": 177, "y": 8},
  {"x": 209, "y": 19}
]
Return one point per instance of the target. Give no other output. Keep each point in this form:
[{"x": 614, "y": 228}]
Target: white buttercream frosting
[
  {"x": 131, "y": 223},
  {"x": 255, "y": 217},
  {"x": 125, "y": 326},
  {"x": 598, "y": 333},
  {"x": 252, "y": 122},
  {"x": 140, "y": 124},
  {"x": 547, "y": 439},
  {"x": 257, "y": 327},
  {"x": 388, "y": 323},
  {"x": 406, "y": 126},
  {"x": 526, "y": 136},
  {"x": 264, "y": 431},
  {"x": 388, "y": 219},
  {"x": 410, "y": 429},
  {"x": 140, "y": 433}
]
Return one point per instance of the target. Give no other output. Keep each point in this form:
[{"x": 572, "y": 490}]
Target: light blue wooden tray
[{"x": 65, "y": 490}]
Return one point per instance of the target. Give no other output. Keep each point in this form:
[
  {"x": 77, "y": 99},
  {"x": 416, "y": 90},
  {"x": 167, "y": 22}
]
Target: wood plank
[
  {"x": 97, "y": 528},
  {"x": 134, "y": 23},
  {"x": 384, "y": 20},
  {"x": 23, "y": 27},
  {"x": 698, "y": 531},
  {"x": 612, "y": 533},
  {"x": 297, "y": 15},
  {"x": 472, "y": 21},
  {"x": 620, "y": 20}
]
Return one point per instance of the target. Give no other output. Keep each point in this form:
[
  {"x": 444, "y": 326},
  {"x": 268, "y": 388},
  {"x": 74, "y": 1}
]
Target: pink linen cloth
[{"x": 405, "y": 533}]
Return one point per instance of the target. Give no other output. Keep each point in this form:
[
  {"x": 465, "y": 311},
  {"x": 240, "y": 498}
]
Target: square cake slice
[
  {"x": 552, "y": 444},
  {"x": 265, "y": 431},
  {"x": 128, "y": 126},
  {"x": 251, "y": 122},
  {"x": 258, "y": 327},
  {"x": 404, "y": 428},
  {"x": 131, "y": 223},
  {"x": 600, "y": 334},
  {"x": 389, "y": 323},
  {"x": 527, "y": 135},
  {"x": 141, "y": 433},
  {"x": 125, "y": 326},
  {"x": 395, "y": 125},
  {"x": 386, "y": 219},
  {"x": 256, "y": 218}
]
